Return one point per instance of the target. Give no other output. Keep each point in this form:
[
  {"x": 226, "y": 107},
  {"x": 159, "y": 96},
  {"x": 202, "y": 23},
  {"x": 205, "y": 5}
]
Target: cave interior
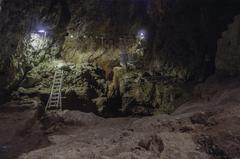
[{"x": 81, "y": 78}]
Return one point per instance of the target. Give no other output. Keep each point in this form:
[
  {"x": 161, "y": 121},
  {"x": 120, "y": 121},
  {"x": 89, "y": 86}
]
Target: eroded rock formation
[{"x": 179, "y": 46}]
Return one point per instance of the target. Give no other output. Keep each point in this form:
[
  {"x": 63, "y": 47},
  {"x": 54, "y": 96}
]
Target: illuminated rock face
[
  {"x": 21, "y": 48},
  {"x": 172, "y": 39}
]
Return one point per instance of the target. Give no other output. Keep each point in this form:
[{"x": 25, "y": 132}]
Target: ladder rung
[
  {"x": 56, "y": 92},
  {"x": 53, "y": 101},
  {"x": 57, "y": 82},
  {"x": 55, "y": 96},
  {"x": 56, "y": 87},
  {"x": 52, "y": 106}
]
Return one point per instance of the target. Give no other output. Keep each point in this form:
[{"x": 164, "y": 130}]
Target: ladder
[{"x": 55, "y": 98}]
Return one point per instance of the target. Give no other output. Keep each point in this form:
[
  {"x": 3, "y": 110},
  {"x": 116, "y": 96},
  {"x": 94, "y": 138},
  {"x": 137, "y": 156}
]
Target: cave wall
[
  {"x": 97, "y": 27},
  {"x": 185, "y": 34},
  {"x": 12, "y": 29},
  {"x": 181, "y": 35},
  {"x": 227, "y": 58},
  {"x": 22, "y": 47},
  {"x": 180, "y": 45}
]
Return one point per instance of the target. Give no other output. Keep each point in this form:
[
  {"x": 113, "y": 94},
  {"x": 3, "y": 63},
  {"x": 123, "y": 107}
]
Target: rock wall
[
  {"x": 181, "y": 36},
  {"x": 228, "y": 54},
  {"x": 22, "y": 45},
  {"x": 184, "y": 36},
  {"x": 173, "y": 40},
  {"x": 98, "y": 29}
]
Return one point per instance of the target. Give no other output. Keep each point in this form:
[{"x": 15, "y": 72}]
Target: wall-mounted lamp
[
  {"x": 42, "y": 32},
  {"x": 142, "y": 35}
]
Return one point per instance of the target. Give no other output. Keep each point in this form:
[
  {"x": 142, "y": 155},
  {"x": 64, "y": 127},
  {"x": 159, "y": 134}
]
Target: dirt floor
[{"x": 207, "y": 127}]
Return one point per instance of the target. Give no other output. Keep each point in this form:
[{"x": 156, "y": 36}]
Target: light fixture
[
  {"x": 141, "y": 35},
  {"x": 71, "y": 36},
  {"x": 41, "y": 31}
]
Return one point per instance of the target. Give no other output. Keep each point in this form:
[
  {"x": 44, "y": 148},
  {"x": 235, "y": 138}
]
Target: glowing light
[
  {"x": 71, "y": 36},
  {"x": 41, "y": 31},
  {"x": 141, "y": 35}
]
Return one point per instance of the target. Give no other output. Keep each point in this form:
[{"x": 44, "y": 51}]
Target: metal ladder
[{"x": 55, "y": 98}]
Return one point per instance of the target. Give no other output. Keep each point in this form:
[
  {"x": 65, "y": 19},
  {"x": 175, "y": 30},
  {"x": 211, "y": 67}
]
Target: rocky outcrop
[
  {"x": 85, "y": 88},
  {"x": 174, "y": 39},
  {"x": 26, "y": 45},
  {"x": 146, "y": 93},
  {"x": 82, "y": 85}
]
